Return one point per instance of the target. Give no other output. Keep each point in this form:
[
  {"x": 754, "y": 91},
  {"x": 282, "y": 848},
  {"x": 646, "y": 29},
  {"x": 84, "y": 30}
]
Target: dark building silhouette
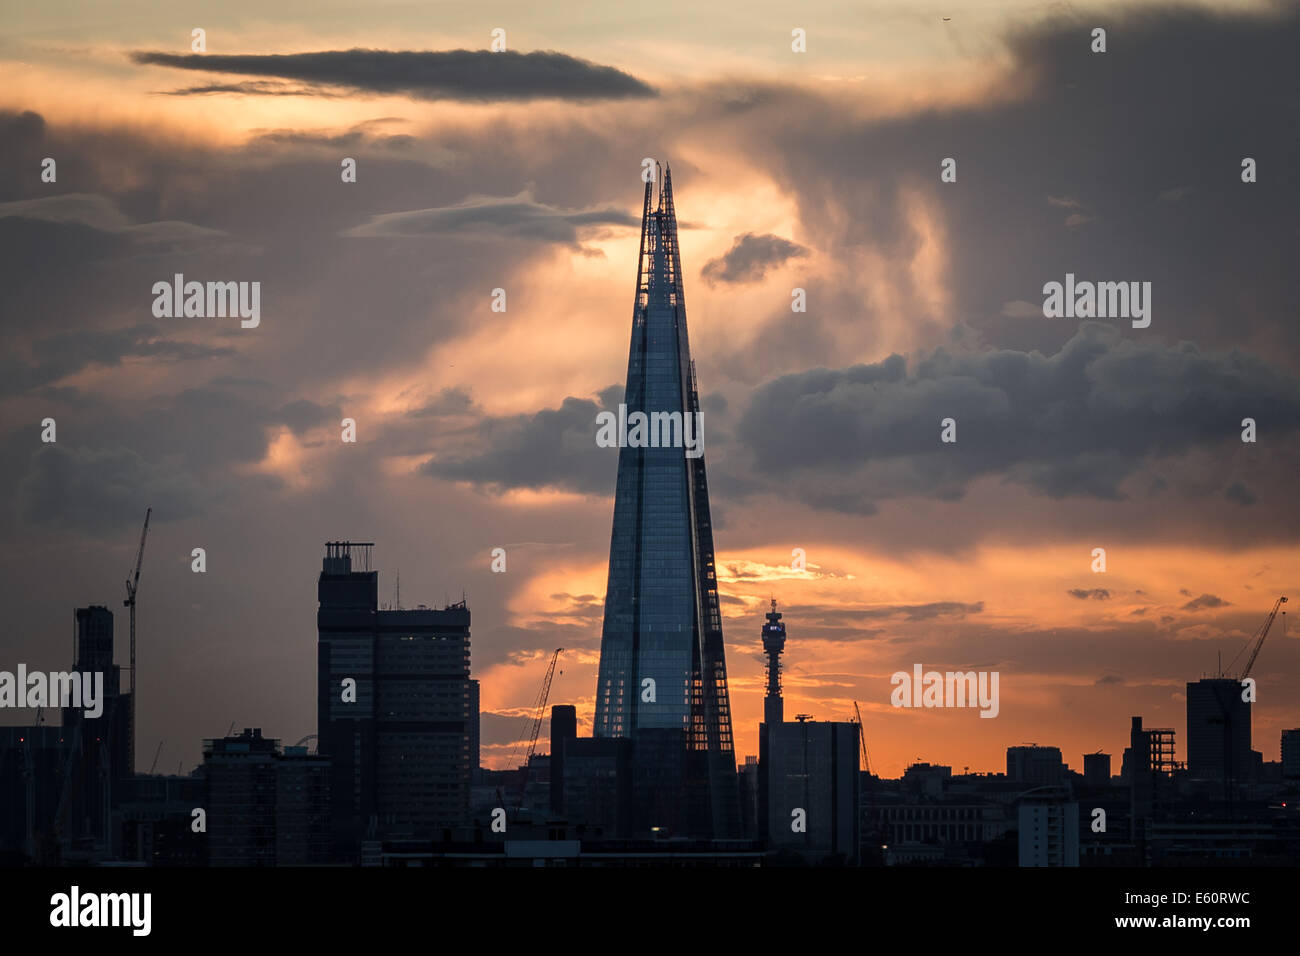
[
  {"x": 1218, "y": 731},
  {"x": 749, "y": 778},
  {"x": 158, "y": 821},
  {"x": 812, "y": 781},
  {"x": 240, "y": 799},
  {"x": 475, "y": 738},
  {"x": 598, "y": 784},
  {"x": 1035, "y": 766},
  {"x": 1291, "y": 755},
  {"x": 32, "y": 764},
  {"x": 1149, "y": 766},
  {"x": 1096, "y": 769},
  {"x": 591, "y": 777},
  {"x": 663, "y": 679},
  {"x": 808, "y": 788},
  {"x": 98, "y": 769},
  {"x": 564, "y": 727},
  {"x": 925, "y": 779},
  {"x": 395, "y": 708},
  {"x": 265, "y": 807}
]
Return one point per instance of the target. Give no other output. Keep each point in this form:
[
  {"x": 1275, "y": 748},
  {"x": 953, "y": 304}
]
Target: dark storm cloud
[
  {"x": 553, "y": 448},
  {"x": 1076, "y": 423},
  {"x": 101, "y": 214},
  {"x": 475, "y": 75},
  {"x": 750, "y": 257},
  {"x": 1204, "y": 601},
  {"x": 183, "y": 454},
  {"x": 1083, "y": 594},
  {"x": 1119, "y": 135},
  {"x": 94, "y": 491},
  {"x": 302, "y": 415},
  {"x": 57, "y": 356},
  {"x": 19, "y": 127},
  {"x": 495, "y": 217}
]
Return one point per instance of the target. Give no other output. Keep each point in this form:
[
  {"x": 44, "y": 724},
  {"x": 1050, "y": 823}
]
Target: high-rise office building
[
  {"x": 240, "y": 775},
  {"x": 100, "y": 766},
  {"x": 475, "y": 738},
  {"x": 265, "y": 806},
  {"x": 394, "y": 701},
  {"x": 1218, "y": 731},
  {"x": 663, "y": 676},
  {"x": 812, "y": 789}
]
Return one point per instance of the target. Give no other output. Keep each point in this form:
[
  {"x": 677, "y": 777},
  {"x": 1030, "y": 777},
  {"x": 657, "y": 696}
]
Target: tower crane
[
  {"x": 1259, "y": 641},
  {"x": 539, "y": 711},
  {"x": 1225, "y": 713},
  {"x": 156, "y": 754},
  {"x": 862, "y": 739},
  {"x": 874, "y": 831},
  {"x": 132, "y": 586}
]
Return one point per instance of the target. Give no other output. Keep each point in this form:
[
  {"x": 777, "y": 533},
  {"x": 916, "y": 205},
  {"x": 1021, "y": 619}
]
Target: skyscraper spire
[{"x": 663, "y": 674}]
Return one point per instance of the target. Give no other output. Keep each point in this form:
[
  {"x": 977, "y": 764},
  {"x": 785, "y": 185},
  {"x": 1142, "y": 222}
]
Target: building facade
[
  {"x": 1218, "y": 731},
  {"x": 394, "y": 702},
  {"x": 663, "y": 680}
]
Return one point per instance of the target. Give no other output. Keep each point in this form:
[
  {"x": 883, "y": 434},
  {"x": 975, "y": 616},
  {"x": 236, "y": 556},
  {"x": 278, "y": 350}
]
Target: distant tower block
[{"x": 773, "y": 645}]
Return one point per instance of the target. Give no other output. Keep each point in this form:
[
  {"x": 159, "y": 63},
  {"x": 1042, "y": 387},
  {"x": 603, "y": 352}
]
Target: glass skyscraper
[{"x": 663, "y": 673}]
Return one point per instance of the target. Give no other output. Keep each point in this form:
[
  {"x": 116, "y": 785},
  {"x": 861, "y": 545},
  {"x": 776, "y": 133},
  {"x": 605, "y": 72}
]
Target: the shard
[{"x": 663, "y": 673}]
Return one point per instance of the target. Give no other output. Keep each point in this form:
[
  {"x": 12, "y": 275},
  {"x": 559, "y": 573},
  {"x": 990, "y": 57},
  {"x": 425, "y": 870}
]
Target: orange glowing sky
[{"x": 971, "y": 570}]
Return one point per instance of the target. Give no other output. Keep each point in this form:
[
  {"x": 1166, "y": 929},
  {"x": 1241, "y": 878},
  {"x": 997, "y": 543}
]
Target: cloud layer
[{"x": 474, "y": 75}]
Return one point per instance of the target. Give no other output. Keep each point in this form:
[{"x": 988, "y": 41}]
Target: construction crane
[
  {"x": 1225, "y": 713},
  {"x": 156, "y": 754},
  {"x": 132, "y": 586},
  {"x": 1259, "y": 639},
  {"x": 539, "y": 711},
  {"x": 862, "y": 739},
  {"x": 873, "y": 835}
]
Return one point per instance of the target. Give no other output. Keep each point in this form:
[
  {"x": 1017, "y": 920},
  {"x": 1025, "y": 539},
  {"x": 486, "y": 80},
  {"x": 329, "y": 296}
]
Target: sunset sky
[{"x": 816, "y": 170}]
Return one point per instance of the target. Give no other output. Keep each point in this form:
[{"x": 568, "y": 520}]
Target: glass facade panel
[{"x": 661, "y": 604}]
